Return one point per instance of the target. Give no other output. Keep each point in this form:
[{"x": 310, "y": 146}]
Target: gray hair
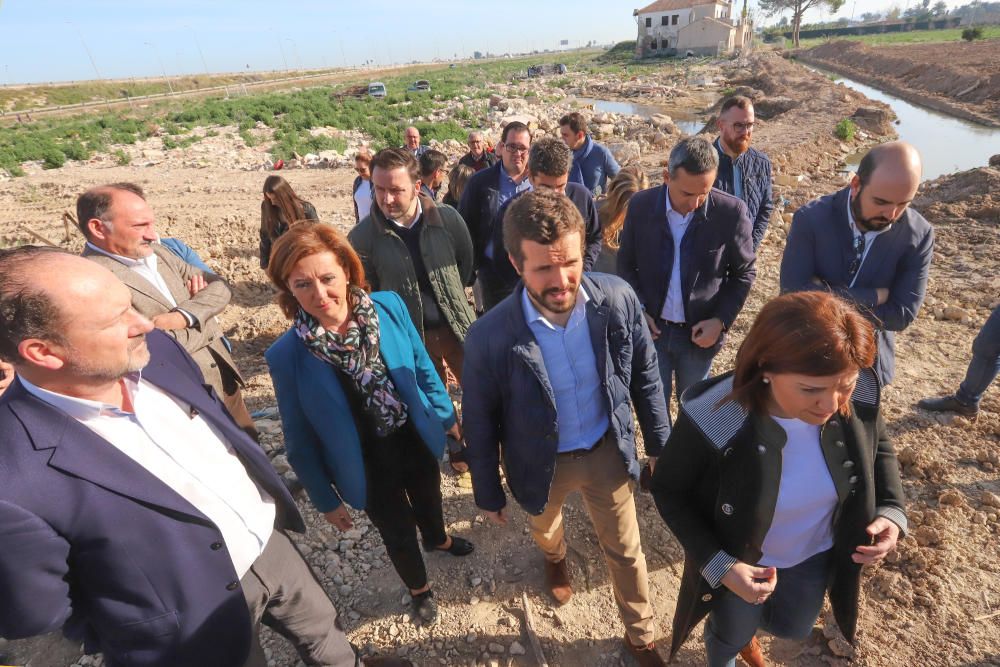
[
  {"x": 695, "y": 155},
  {"x": 475, "y": 134},
  {"x": 550, "y": 156}
]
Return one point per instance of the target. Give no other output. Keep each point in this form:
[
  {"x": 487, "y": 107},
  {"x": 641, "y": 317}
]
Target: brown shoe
[
  {"x": 557, "y": 579},
  {"x": 645, "y": 656},
  {"x": 752, "y": 655}
]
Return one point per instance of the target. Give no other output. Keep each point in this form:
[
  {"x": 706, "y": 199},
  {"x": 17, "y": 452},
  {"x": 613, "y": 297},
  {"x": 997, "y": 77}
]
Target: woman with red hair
[{"x": 779, "y": 480}]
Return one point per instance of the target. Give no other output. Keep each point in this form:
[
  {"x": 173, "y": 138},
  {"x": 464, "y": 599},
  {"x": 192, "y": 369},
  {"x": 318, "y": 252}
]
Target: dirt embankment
[{"x": 961, "y": 78}]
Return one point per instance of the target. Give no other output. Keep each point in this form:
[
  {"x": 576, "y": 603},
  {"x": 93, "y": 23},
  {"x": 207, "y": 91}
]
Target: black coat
[{"x": 716, "y": 486}]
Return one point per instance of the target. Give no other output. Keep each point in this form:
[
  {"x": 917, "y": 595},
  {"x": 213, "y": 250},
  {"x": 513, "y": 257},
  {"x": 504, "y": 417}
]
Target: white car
[{"x": 376, "y": 89}]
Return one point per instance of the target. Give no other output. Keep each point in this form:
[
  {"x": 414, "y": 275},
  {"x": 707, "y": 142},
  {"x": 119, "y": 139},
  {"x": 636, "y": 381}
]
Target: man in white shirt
[
  {"x": 179, "y": 298},
  {"x": 134, "y": 513}
]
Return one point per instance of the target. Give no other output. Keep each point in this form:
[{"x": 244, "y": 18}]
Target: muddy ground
[
  {"x": 961, "y": 78},
  {"x": 930, "y": 605}
]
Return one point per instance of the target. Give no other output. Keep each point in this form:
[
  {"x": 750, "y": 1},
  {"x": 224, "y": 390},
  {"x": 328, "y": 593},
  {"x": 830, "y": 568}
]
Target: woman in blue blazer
[{"x": 363, "y": 410}]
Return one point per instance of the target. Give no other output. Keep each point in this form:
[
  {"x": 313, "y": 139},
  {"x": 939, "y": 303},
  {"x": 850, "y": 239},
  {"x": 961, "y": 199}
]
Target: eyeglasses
[
  {"x": 514, "y": 148},
  {"x": 743, "y": 127}
]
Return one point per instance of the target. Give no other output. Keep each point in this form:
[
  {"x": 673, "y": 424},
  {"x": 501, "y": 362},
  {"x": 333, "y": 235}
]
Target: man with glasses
[
  {"x": 478, "y": 157},
  {"x": 485, "y": 193},
  {"x": 865, "y": 244},
  {"x": 411, "y": 137},
  {"x": 744, "y": 172}
]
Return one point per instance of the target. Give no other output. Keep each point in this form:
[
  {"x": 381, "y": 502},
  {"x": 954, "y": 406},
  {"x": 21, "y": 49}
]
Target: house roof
[{"x": 670, "y": 5}]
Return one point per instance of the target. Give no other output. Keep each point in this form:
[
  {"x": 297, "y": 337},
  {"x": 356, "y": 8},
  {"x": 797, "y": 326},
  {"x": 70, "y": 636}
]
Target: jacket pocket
[{"x": 141, "y": 634}]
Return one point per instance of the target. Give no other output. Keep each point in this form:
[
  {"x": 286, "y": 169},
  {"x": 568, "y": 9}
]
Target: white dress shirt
[
  {"x": 869, "y": 238},
  {"x": 673, "y": 307},
  {"x": 363, "y": 199},
  {"x": 187, "y": 454},
  {"x": 146, "y": 267}
]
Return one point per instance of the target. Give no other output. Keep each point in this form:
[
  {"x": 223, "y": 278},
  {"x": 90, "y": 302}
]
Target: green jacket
[{"x": 447, "y": 253}]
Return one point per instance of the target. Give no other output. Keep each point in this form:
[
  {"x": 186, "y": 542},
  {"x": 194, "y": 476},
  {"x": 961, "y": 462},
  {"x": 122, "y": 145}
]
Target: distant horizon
[{"x": 101, "y": 40}]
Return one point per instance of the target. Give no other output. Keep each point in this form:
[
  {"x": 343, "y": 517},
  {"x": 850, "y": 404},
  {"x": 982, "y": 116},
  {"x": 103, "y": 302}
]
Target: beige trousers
[{"x": 604, "y": 484}]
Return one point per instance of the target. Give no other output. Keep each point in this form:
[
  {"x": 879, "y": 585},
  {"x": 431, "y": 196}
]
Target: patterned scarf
[{"x": 356, "y": 354}]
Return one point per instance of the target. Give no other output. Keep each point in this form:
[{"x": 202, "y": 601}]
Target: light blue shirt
[
  {"x": 737, "y": 181},
  {"x": 673, "y": 307},
  {"x": 572, "y": 369},
  {"x": 508, "y": 190}
]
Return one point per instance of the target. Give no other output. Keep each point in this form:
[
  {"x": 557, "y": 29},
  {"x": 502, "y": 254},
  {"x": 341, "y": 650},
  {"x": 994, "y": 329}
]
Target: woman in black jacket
[
  {"x": 779, "y": 480},
  {"x": 280, "y": 209}
]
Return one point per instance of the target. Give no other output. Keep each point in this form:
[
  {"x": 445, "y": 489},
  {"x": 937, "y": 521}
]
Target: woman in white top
[
  {"x": 779, "y": 480},
  {"x": 362, "y": 188}
]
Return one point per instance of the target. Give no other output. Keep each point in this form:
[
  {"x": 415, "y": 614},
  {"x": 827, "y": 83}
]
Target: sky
[{"x": 65, "y": 40}]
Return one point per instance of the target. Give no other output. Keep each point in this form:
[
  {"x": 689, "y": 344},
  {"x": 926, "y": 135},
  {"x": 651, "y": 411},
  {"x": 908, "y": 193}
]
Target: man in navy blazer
[
  {"x": 865, "y": 244},
  {"x": 687, "y": 250},
  {"x": 130, "y": 502}
]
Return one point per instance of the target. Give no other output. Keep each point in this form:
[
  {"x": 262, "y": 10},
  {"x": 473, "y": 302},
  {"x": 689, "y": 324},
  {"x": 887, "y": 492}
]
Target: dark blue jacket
[
  {"x": 821, "y": 245},
  {"x": 478, "y": 207},
  {"x": 97, "y": 545},
  {"x": 594, "y": 166},
  {"x": 503, "y": 271},
  {"x": 717, "y": 256},
  {"x": 755, "y": 168},
  {"x": 320, "y": 432},
  {"x": 508, "y": 408}
]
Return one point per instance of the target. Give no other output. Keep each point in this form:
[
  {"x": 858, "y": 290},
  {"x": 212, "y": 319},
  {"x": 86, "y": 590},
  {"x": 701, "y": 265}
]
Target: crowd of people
[{"x": 140, "y": 516}]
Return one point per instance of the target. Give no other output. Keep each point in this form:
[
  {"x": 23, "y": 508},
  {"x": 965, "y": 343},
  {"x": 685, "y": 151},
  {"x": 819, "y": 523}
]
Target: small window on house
[
  {"x": 652, "y": 44},
  {"x": 649, "y": 21},
  {"x": 664, "y": 20},
  {"x": 664, "y": 44},
  {"x": 675, "y": 19}
]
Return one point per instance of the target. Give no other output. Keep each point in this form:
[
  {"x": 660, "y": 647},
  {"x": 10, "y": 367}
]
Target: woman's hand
[
  {"x": 340, "y": 518},
  {"x": 455, "y": 431},
  {"x": 753, "y": 584},
  {"x": 884, "y": 534}
]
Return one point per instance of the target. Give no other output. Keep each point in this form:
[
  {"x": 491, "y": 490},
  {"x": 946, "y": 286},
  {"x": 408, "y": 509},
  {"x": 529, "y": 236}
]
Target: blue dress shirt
[
  {"x": 572, "y": 370},
  {"x": 508, "y": 189}
]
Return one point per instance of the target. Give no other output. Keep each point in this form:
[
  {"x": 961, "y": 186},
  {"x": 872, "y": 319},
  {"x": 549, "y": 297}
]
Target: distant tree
[
  {"x": 940, "y": 8},
  {"x": 893, "y": 13},
  {"x": 798, "y": 8},
  {"x": 871, "y": 17}
]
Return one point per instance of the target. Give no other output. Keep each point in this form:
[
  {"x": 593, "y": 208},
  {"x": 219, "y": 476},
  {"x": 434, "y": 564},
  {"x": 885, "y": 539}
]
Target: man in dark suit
[
  {"x": 134, "y": 513},
  {"x": 549, "y": 162},
  {"x": 687, "y": 251},
  {"x": 551, "y": 376},
  {"x": 485, "y": 193},
  {"x": 865, "y": 244}
]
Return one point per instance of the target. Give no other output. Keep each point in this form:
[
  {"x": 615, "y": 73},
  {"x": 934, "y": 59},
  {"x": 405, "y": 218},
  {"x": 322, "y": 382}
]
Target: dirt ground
[
  {"x": 930, "y": 605},
  {"x": 958, "y": 77}
]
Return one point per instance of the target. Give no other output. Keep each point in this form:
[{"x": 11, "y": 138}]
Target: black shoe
[
  {"x": 948, "y": 404},
  {"x": 459, "y": 547},
  {"x": 425, "y": 607}
]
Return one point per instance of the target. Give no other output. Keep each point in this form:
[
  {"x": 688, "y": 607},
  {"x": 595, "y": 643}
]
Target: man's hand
[
  {"x": 170, "y": 321},
  {"x": 651, "y": 323},
  {"x": 884, "y": 535},
  {"x": 881, "y": 295},
  {"x": 6, "y": 375},
  {"x": 339, "y": 518},
  {"x": 753, "y": 584},
  {"x": 498, "y": 517},
  {"x": 816, "y": 280},
  {"x": 196, "y": 284},
  {"x": 706, "y": 333},
  {"x": 455, "y": 431}
]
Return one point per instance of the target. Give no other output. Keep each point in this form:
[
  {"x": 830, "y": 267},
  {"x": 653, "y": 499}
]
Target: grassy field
[
  {"x": 290, "y": 114},
  {"x": 912, "y": 37}
]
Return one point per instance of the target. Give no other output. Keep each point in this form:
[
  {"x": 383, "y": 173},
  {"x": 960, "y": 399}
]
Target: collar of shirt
[
  {"x": 81, "y": 409},
  {"x": 677, "y": 216},
  {"x": 531, "y": 314},
  {"x": 148, "y": 261},
  {"x": 420, "y": 212},
  {"x": 584, "y": 150}
]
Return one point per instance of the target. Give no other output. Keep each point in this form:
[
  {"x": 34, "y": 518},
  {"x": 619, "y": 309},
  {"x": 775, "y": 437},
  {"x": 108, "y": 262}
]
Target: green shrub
[
  {"x": 74, "y": 150},
  {"x": 169, "y": 143},
  {"x": 845, "y": 130},
  {"x": 248, "y": 138},
  {"x": 121, "y": 157},
  {"x": 971, "y": 34},
  {"x": 53, "y": 158}
]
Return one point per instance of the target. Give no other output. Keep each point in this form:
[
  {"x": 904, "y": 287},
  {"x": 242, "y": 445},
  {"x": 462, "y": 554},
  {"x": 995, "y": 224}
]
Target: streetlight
[
  {"x": 280, "y": 48},
  {"x": 295, "y": 49},
  {"x": 90, "y": 56},
  {"x": 200, "y": 53},
  {"x": 157, "y": 52}
]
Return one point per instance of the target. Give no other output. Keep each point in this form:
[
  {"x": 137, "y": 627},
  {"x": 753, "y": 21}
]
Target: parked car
[
  {"x": 376, "y": 89},
  {"x": 422, "y": 85}
]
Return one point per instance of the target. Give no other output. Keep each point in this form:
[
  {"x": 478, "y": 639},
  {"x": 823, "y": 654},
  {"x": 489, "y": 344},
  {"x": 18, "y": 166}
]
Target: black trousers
[{"x": 404, "y": 494}]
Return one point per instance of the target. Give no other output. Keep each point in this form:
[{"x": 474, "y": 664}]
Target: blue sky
[{"x": 44, "y": 40}]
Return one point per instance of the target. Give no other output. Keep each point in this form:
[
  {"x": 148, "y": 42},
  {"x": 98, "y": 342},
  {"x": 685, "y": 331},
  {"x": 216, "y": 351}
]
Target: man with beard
[
  {"x": 744, "y": 172},
  {"x": 551, "y": 377},
  {"x": 867, "y": 245},
  {"x": 135, "y": 514}
]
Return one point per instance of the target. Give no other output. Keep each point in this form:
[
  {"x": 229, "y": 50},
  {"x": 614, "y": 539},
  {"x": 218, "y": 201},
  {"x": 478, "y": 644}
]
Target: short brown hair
[
  {"x": 304, "y": 240},
  {"x": 96, "y": 202},
  {"x": 807, "y": 333},
  {"x": 363, "y": 155},
  {"x": 432, "y": 161},
  {"x": 396, "y": 158},
  {"x": 541, "y": 216},
  {"x": 740, "y": 101},
  {"x": 575, "y": 121}
]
